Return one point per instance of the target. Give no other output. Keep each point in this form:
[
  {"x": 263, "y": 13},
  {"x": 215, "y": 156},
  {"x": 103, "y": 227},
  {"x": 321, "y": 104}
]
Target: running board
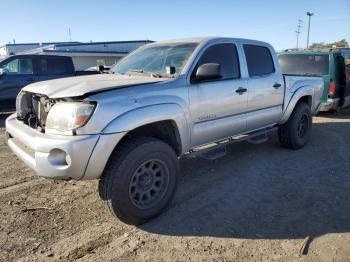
[{"x": 218, "y": 149}]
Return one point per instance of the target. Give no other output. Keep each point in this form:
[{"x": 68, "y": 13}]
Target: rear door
[
  {"x": 266, "y": 87},
  {"x": 217, "y": 109},
  {"x": 18, "y": 73},
  {"x": 53, "y": 67}
]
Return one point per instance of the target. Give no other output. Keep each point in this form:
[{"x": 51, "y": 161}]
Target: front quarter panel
[{"x": 151, "y": 114}]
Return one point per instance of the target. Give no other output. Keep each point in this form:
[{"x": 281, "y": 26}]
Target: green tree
[{"x": 323, "y": 45}]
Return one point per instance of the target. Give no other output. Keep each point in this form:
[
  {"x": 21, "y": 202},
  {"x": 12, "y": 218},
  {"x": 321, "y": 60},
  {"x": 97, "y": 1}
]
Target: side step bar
[{"x": 218, "y": 149}]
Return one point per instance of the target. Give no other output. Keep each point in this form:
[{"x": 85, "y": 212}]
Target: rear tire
[
  {"x": 139, "y": 180},
  {"x": 295, "y": 133}
]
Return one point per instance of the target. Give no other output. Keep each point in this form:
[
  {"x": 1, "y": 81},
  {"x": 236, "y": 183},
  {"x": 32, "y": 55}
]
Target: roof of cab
[{"x": 199, "y": 40}]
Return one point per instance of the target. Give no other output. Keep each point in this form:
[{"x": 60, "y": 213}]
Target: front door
[
  {"x": 218, "y": 107},
  {"x": 18, "y": 73}
]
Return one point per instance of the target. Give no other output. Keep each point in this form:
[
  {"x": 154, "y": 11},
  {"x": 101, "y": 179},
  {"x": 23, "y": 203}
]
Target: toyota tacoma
[{"x": 163, "y": 101}]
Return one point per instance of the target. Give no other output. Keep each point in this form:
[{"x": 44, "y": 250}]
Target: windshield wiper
[
  {"x": 136, "y": 71},
  {"x": 140, "y": 71}
]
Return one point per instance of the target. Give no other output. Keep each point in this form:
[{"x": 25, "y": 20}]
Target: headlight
[{"x": 65, "y": 116}]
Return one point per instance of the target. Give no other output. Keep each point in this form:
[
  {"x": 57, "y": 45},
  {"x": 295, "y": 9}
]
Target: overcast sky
[{"x": 274, "y": 21}]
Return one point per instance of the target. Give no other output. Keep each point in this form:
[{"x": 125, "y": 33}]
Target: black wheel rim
[
  {"x": 149, "y": 183},
  {"x": 303, "y": 126}
]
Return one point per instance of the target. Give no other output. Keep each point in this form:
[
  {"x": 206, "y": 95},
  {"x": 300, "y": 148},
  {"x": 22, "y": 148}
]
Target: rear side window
[
  {"x": 226, "y": 56},
  {"x": 259, "y": 60},
  {"x": 52, "y": 66}
]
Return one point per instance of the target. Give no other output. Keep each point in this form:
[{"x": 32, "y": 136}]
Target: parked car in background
[
  {"x": 20, "y": 70},
  {"x": 334, "y": 67},
  {"x": 100, "y": 68},
  {"x": 161, "y": 102}
]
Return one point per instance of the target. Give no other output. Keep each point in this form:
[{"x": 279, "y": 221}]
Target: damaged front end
[
  {"x": 55, "y": 116},
  {"x": 33, "y": 109}
]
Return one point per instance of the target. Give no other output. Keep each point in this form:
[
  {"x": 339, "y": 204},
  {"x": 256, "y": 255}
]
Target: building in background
[
  {"x": 86, "y": 55},
  {"x": 10, "y": 49}
]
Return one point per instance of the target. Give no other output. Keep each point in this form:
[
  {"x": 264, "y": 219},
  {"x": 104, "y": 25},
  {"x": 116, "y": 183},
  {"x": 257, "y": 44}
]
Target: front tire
[
  {"x": 139, "y": 180},
  {"x": 295, "y": 133}
]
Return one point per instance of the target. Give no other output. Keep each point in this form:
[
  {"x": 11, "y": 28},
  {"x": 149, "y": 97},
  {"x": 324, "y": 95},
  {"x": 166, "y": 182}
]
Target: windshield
[
  {"x": 162, "y": 60},
  {"x": 304, "y": 64}
]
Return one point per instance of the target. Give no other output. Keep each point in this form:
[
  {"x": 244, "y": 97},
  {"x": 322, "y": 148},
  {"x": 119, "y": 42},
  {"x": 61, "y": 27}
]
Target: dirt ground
[{"x": 258, "y": 203}]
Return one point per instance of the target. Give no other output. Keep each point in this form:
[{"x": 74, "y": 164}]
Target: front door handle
[
  {"x": 241, "y": 90},
  {"x": 277, "y": 85}
]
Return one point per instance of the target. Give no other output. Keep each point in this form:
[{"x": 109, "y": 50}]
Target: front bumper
[{"x": 60, "y": 156}]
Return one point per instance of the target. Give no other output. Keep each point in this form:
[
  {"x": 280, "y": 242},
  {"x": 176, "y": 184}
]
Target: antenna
[{"x": 298, "y": 32}]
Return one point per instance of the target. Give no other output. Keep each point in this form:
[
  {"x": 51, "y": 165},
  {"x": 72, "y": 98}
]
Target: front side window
[
  {"x": 156, "y": 60},
  {"x": 52, "y": 66},
  {"x": 226, "y": 56},
  {"x": 259, "y": 60},
  {"x": 19, "y": 66}
]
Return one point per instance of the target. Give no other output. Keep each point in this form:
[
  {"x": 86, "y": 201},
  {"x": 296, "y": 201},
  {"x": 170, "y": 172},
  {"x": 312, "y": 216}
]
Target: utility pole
[
  {"x": 70, "y": 35},
  {"x": 308, "y": 29},
  {"x": 298, "y": 32}
]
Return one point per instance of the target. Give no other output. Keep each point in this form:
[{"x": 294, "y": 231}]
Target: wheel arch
[
  {"x": 156, "y": 120},
  {"x": 304, "y": 94}
]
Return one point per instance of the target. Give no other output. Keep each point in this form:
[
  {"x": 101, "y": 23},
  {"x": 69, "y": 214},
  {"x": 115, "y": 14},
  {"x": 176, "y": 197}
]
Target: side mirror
[
  {"x": 209, "y": 71},
  {"x": 2, "y": 71}
]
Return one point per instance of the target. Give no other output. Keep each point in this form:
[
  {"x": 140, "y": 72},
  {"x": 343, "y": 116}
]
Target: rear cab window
[
  {"x": 259, "y": 60},
  {"x": 304, "y": 64},
  {"x": 226, "y": 56}
]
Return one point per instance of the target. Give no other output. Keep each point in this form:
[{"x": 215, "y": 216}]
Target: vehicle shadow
[
  {"x": 264, "y": 191},
  {"x": 2, "y": 120},
  {"x": 3, "y": 116}
]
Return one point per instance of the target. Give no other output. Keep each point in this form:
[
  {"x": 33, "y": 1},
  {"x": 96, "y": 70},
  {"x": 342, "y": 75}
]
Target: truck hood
[{"x": 82, "y": 85}]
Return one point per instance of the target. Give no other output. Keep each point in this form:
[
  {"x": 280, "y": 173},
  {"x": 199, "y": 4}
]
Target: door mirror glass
[{"x": 209, "y": 71}]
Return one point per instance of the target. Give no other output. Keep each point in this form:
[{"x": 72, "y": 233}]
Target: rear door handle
[
  {"x": 277, "y": 85},
  {"x": 241, "y": 90}
]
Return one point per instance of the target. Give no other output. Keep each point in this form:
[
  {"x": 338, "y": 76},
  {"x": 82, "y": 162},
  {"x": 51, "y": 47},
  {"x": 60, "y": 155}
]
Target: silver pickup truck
[{"x": 163, "y": 101}]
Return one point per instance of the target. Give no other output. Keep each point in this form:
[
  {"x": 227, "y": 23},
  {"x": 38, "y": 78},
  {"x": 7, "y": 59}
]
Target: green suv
[{"x": 334, "y": 67}]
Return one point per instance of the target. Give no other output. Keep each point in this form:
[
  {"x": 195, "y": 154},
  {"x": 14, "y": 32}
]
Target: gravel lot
[{"x": 258, "y": 203}]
